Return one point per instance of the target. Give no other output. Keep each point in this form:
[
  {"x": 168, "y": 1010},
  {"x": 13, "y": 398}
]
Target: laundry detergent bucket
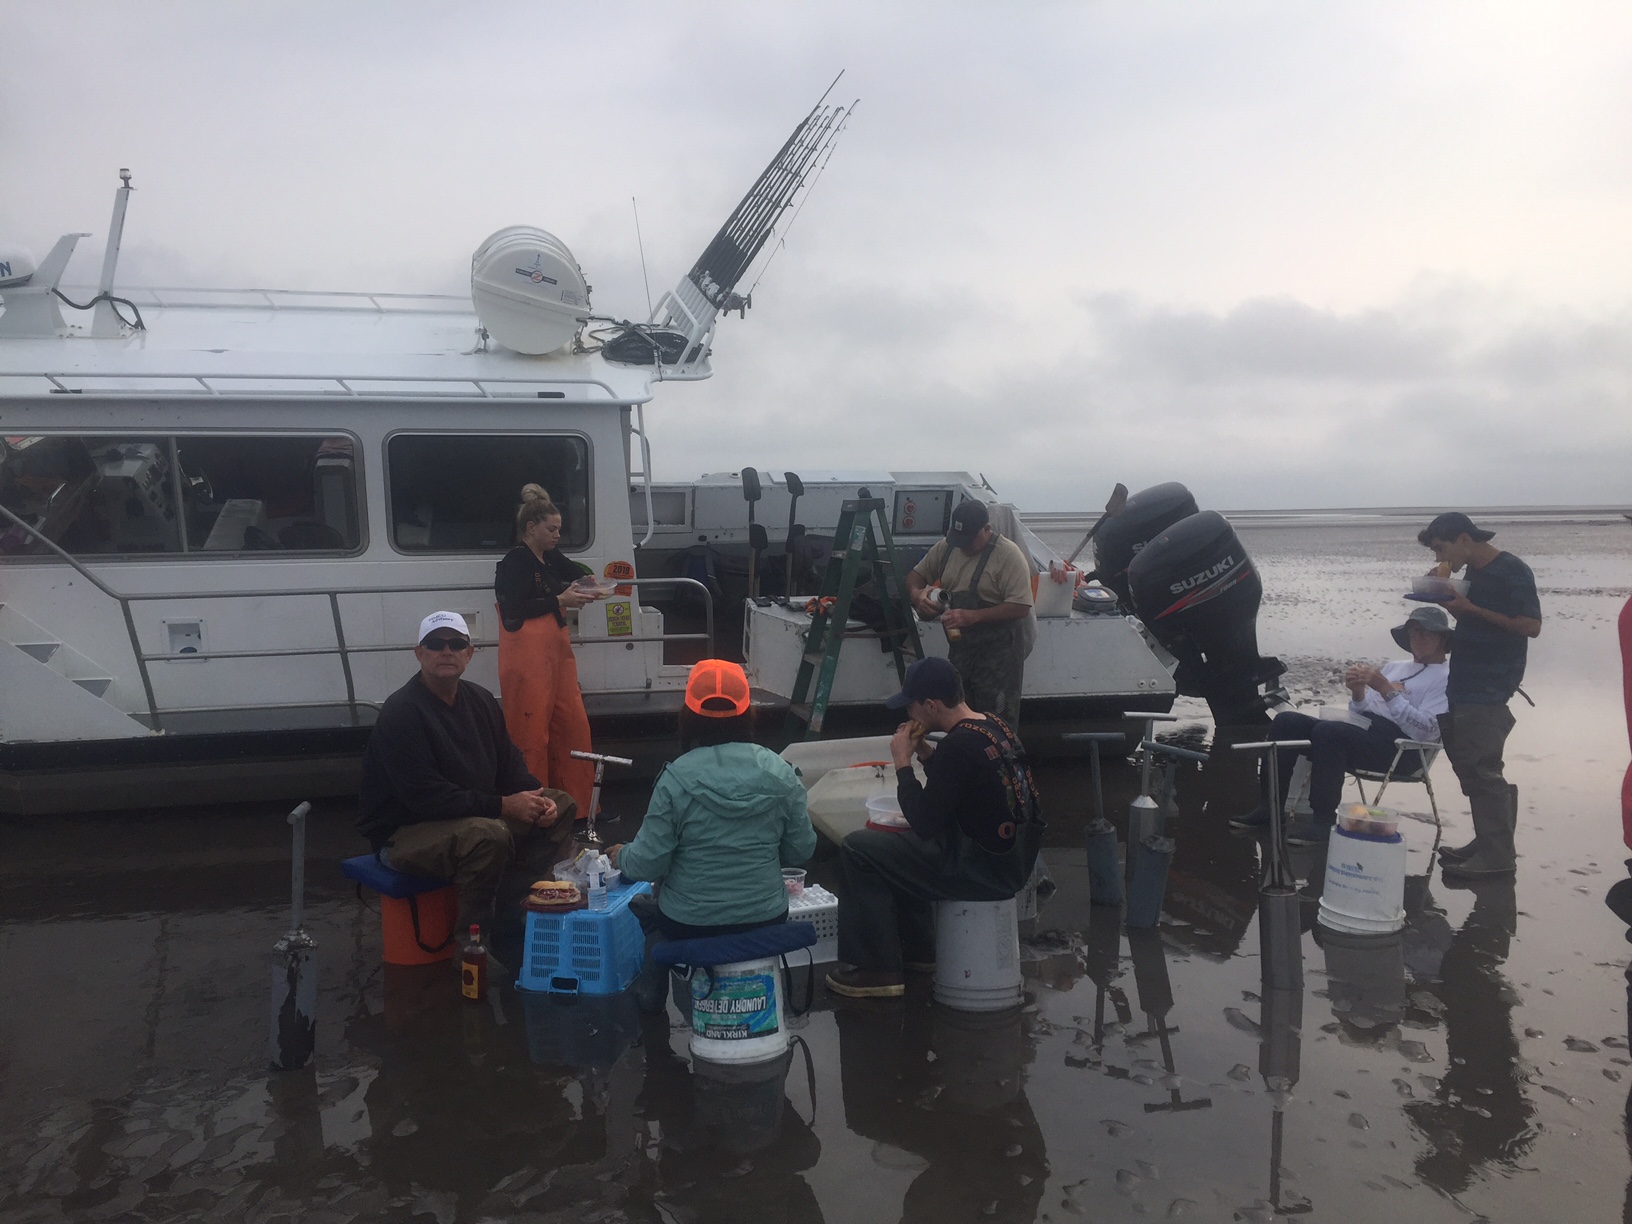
[
  {"x": 977, "y": 955},
  {"x": 1365, "y": 883},
  {"x": 419, "y": 929},
  {"x": 737, "y": 1012}
]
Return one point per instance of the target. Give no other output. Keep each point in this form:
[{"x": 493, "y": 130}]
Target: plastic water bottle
[{"x": 597, "y": 884}]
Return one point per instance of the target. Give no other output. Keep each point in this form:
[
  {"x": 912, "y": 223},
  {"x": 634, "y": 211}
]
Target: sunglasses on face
[{"x": 445, "y": 643}]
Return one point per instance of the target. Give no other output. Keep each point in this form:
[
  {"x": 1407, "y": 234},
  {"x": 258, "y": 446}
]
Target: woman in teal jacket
[{"x": 725, "y": 818}]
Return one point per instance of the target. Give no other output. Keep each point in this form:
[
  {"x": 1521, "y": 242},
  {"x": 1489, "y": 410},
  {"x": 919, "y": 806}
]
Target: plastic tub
[
  {"x": 884, "y": 812},
  {"x": 1369, "y": 821},
  {"x": 1431, "y": 586},
  {"x": 793, "y": 879}
]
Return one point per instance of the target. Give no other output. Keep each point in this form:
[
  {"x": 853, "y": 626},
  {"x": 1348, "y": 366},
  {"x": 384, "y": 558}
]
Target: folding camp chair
[{"x": 1429, "y": 752}]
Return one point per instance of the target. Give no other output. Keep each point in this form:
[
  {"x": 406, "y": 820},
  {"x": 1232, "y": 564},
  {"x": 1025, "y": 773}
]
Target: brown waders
[{"x": 987, "y": 656}]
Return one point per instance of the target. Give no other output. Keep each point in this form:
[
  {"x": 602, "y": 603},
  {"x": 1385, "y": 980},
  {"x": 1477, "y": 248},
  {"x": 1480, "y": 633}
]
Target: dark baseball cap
[
  {"x": 931, "y": 679},
  {"x": 1452, "y": 526},
  {"x": 967, "y": 520}
]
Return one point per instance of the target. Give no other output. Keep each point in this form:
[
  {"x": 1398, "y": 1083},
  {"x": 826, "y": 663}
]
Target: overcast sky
[{"x": 1291, "y": 254}]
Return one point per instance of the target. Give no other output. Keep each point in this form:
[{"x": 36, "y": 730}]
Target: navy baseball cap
[
  {"x": 967, "y": 520},
  {"x": 1450, "y": 527},
  {"x": 932, "y": 679}
]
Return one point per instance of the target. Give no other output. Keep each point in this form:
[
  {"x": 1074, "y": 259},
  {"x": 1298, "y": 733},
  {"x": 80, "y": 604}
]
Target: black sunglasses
[{"x": 446, "y": 643}]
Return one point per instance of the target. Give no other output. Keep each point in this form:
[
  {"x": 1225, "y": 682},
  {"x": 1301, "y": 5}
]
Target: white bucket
[
  {"x": 977, "y": 955},
  {"x": 1365, "y": 883},
  {"x": 736, "y": 1012}
]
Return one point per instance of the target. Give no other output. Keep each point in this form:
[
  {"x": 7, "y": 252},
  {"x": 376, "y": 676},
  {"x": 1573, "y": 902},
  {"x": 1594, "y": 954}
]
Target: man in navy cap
[
  {"x": 975, "y": 830},
  {"x": 1495, "y": 621}
]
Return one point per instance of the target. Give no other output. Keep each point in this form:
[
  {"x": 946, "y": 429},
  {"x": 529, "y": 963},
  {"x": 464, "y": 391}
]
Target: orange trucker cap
[{"x": 717, "y": 688}]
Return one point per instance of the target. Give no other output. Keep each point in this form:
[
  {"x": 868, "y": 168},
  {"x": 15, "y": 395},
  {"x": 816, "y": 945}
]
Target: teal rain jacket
[{"x": 722, "y": 824}]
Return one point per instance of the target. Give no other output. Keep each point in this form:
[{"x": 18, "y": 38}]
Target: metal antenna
[{"x": 642, "y": 245}]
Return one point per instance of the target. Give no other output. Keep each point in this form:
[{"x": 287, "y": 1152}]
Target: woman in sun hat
[{"x": 724, "y": 819}]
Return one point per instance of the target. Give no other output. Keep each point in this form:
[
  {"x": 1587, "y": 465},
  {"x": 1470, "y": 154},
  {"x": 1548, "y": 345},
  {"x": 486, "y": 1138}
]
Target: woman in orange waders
[{"x": 538, "y": 676}]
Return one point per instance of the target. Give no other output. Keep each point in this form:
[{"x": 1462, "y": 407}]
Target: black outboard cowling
[
  {"x": 1146, "y": 515},
  {"x": 1198, "y": 592}
]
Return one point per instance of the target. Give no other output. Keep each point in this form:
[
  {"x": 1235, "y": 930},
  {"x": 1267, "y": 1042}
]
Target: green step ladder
[{"x": 857, "y": 556}]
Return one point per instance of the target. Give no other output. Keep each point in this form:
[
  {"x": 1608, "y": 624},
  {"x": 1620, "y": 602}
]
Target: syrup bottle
[{"x": 473, "y": 967}]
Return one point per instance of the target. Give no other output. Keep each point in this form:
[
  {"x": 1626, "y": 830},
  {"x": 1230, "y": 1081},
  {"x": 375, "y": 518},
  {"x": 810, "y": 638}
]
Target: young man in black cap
[
  {"x": 976, "y": 830},
  {"x": 987, "y": 581},
  {"x": 1495, "y": 621}
]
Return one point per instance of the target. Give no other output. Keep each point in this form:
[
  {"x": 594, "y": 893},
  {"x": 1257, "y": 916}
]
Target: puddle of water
[{"x": 1476, "y": 1066}]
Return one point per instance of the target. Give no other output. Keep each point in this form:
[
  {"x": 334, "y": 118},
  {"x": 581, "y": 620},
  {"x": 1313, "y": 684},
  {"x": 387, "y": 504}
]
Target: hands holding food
[{"x": 908, "y": 737}]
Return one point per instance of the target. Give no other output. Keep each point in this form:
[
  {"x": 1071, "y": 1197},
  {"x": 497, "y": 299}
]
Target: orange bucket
[{"x": 436, "y": 912}]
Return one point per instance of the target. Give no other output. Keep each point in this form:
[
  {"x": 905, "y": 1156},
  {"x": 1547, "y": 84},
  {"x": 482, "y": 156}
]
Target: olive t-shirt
[{"x": 1007, "y": 578}]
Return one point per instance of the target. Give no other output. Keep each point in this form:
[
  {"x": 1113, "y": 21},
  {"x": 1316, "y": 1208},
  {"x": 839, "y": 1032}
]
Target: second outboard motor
[
  {"x": 1146, "y": 515},
  {"x": 1198, "y": 593}
]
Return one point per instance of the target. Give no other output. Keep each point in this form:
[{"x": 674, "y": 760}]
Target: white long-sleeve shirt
[{"x": 1415, "y": 710}]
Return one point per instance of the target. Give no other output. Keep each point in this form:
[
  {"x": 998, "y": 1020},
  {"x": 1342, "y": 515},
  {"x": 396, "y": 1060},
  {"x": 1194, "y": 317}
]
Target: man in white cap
[{"x": 446, "y": 793}]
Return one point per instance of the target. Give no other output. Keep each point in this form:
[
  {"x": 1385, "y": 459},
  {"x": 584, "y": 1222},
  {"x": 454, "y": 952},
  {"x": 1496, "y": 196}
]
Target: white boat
[{"x": 223, "y": 513}]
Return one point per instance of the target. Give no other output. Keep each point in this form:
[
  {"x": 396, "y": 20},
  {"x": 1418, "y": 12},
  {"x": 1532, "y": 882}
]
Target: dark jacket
[
  {"x": 427, "y": 760},
  {"x": 527, "y": 587}
]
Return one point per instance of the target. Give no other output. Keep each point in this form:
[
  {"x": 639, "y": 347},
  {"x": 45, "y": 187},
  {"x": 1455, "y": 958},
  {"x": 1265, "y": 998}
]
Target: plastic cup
[{"x": 793, "y": 879}]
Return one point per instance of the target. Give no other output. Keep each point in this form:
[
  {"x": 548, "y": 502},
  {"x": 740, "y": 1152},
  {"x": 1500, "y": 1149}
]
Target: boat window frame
[
  {"x": 173, "y": 437},
  {"x": 590, "y": 491}
]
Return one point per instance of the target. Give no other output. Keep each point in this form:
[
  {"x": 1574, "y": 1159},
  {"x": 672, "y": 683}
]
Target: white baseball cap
[{"x": 442, "y": 620}]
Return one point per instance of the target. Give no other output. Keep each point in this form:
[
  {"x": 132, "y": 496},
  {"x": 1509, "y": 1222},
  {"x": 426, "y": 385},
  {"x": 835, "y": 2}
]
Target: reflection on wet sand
[
  {"x": 943, "y": 1092},
  {"x": 1479, "y": 1113}
]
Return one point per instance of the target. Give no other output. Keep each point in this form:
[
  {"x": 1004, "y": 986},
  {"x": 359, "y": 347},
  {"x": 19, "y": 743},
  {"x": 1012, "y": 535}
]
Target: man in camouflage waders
[{"x": 986, "y": 582}]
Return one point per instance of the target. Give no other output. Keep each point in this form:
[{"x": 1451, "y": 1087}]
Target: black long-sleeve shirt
[
  {"x": 527, "y": 587},
  {"x": 965, "y": 789},
  {"x": 427, "y": 760}
]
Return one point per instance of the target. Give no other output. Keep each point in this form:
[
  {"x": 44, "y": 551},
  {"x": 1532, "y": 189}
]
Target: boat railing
[
  {"x": 397, "y": 386},
  {"x": 341, "y": 648}
]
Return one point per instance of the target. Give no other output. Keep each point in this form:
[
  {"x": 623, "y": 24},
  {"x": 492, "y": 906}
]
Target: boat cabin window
[
  {"x": 133, "y": 496},
  {"x": 459, "y": 492}
]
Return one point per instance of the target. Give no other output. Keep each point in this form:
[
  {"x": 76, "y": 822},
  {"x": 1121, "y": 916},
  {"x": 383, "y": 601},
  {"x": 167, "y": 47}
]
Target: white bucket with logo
[
  {"x": 977, "y": 955},
  {"x": 1365, "y": 883},
  {"x": 736, "y": 1012}
]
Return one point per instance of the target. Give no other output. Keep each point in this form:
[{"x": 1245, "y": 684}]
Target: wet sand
[{"x": 1476, "y": 1068}]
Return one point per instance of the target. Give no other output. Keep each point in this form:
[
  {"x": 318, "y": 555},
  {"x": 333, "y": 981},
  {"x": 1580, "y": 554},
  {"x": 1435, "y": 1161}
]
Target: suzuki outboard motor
[
  {"x": 1198, "y": 593},
  {"x": 1145, "y": 516}
]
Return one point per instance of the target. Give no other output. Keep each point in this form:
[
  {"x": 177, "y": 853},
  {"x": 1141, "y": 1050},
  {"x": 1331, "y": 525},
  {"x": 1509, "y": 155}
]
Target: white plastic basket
[{"x": 819, "y": 907}]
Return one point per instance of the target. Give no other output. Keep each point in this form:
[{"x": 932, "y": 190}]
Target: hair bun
[{"x": 534, "y": 493}]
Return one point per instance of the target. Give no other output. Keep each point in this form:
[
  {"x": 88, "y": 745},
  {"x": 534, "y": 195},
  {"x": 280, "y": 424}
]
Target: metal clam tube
[
  {"x": 1276, "y": 874},
  {"x": 602, "y": 760},
  {"x": 1104, "y": 871},
  {"x": 1148, "y": 885},
  {"x": 294, "y": 969}
]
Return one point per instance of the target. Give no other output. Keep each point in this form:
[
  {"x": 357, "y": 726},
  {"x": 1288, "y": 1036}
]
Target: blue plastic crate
[{"x": 592, "y": 952}]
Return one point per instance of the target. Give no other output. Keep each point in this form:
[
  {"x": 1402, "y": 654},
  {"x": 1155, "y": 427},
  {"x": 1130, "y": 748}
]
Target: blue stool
[
  {"x": 417, "y": 913},
  {"x": 737, "y": 1011}
]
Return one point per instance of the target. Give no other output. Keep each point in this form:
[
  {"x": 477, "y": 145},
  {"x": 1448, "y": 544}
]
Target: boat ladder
[{"x": 864, "y": 557}]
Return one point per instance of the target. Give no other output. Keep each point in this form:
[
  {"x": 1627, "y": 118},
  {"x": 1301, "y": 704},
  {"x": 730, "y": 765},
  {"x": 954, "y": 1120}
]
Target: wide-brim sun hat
[{"x": 1432, "y": 619}]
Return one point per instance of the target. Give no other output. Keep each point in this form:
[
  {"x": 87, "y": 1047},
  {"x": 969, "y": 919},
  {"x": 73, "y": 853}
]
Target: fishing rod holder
[{"x": 602, "y": 760}]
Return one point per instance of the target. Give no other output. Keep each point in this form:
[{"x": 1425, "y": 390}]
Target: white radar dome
[
  {"x": 528, "y": 290},
  {"x": 16, "y": 265}
]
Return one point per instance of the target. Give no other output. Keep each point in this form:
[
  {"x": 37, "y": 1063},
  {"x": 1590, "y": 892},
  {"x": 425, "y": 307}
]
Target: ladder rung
[{"x": 801, "y": 711}]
